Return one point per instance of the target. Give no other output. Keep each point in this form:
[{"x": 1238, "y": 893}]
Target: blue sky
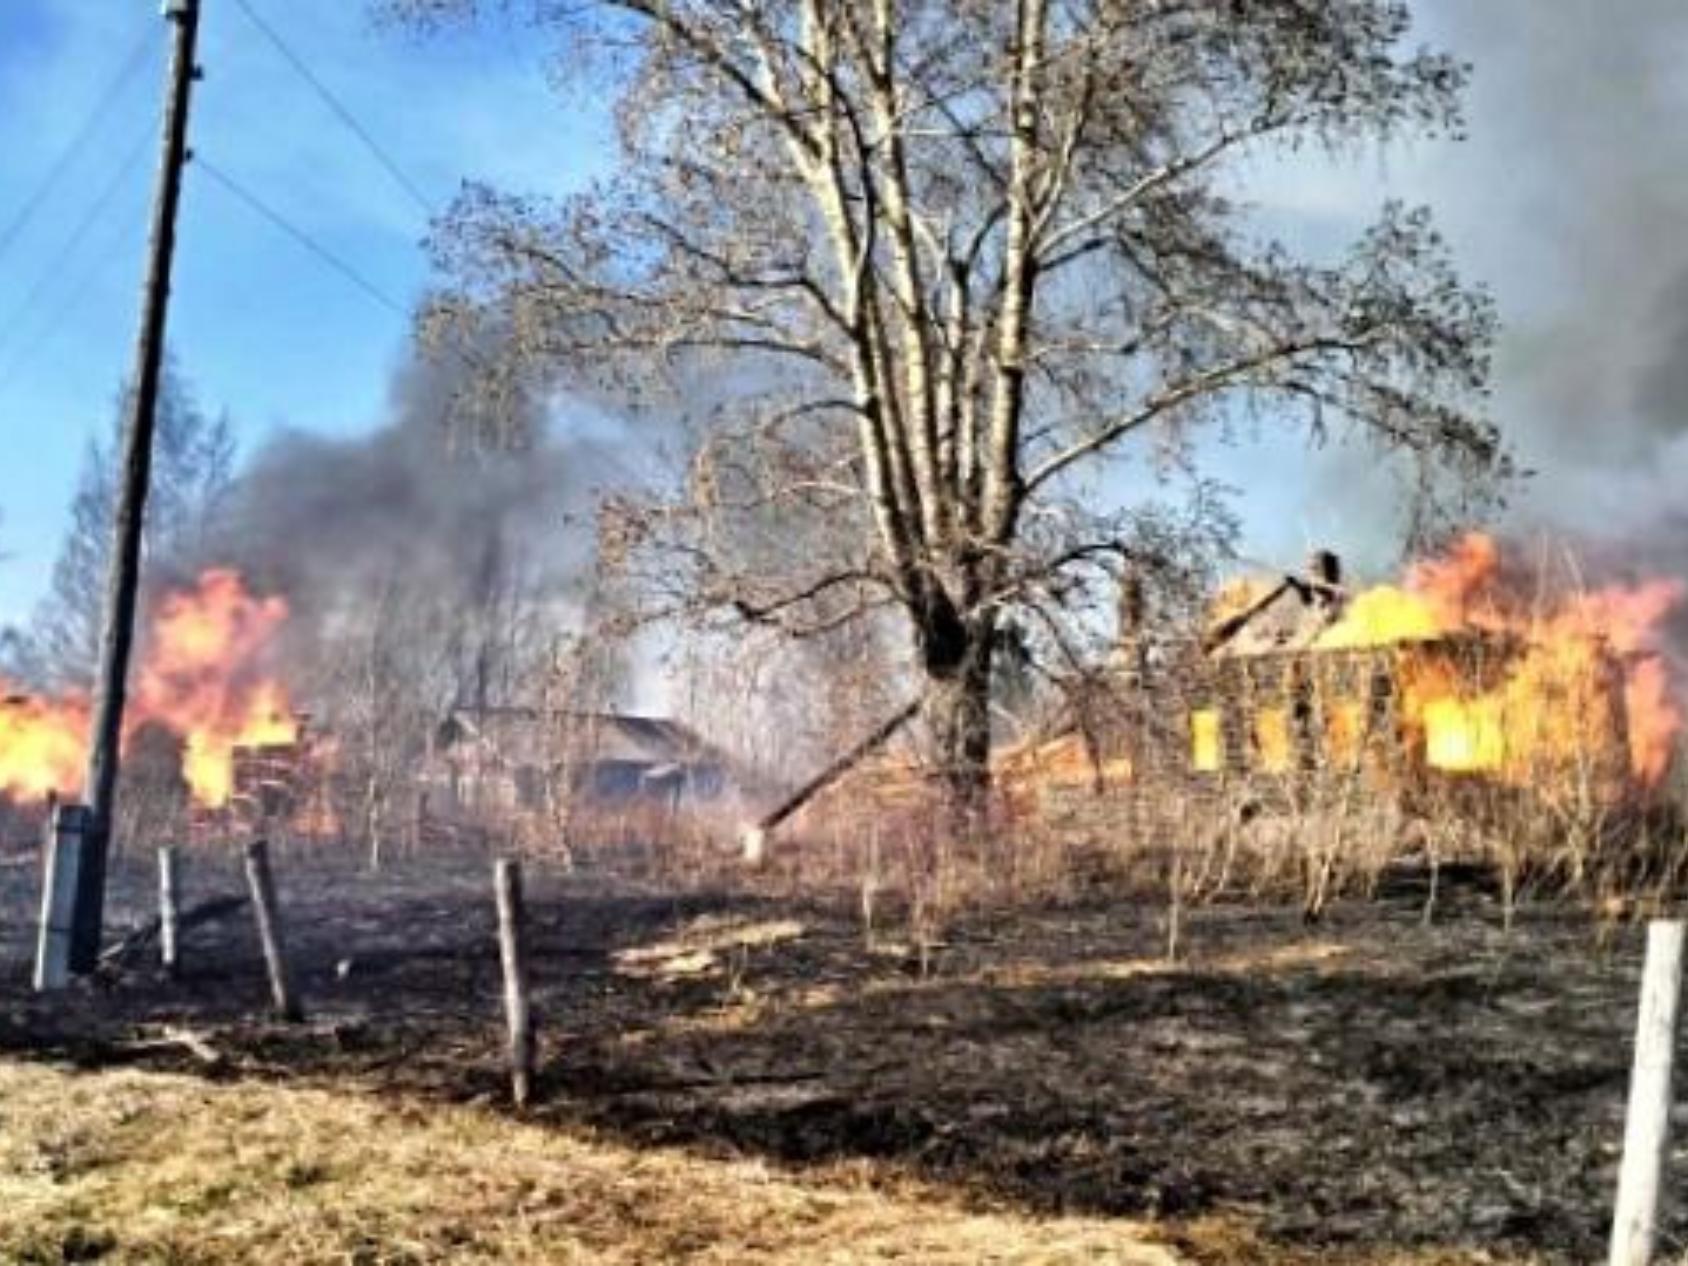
[
  {"x": 260, "y": 326},
  {"x": 1568, "y": 200}
]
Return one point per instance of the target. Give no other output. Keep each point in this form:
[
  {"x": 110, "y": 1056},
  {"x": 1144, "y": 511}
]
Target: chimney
[
  {"x": 1324, "y": 568},
  {"x": 1324, "y": 580}
]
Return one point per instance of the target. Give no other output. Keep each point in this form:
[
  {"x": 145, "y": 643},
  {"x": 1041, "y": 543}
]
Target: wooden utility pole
[
  {"x": 753, "y": 839},
  {"x": 124, "y": 577}
]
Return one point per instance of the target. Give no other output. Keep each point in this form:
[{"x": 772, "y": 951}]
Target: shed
[{"x": 514, "y": 760}]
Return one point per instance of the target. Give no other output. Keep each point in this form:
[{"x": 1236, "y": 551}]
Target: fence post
[
  {"x": 753, "y": 846},
  {"x": 507, "y": 877},
  {"x": 1647, "y": 1122},
  {"x": 262, "y": 883},
  {"x": 67, "y": 833},
  {"x": 169, "y": 907}
]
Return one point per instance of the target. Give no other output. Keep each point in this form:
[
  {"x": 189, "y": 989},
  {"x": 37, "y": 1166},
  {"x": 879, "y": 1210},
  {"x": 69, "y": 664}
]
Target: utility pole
[{"x": 123, "y": 579}]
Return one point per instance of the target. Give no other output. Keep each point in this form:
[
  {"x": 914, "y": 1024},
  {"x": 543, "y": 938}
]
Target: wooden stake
[
  {"x": 755, "y": 851},
  {"x": 507, "y": 879},
  {"x": 1647, "y": 1124},
  {"x": 262, "y": 883},
  {"x": 169, "y": 904}
]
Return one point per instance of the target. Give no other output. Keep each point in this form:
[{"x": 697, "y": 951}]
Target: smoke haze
[
  {"x": 407, "y": 517},
  {"x": 1569, "y": 200}
]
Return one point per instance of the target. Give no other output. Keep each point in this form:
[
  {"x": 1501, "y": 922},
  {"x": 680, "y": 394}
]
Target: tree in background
[
  {"x": 14, "y": 646},
  {"x": 943, "y": 261},
  {"x": 192, "y": 472}
]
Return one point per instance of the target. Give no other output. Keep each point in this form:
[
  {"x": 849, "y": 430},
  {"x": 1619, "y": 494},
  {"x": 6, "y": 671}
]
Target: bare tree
[
  {"x": 382, "y": 670},
  {"x": 940, "y": 259},
  {"x": 193, "y": 466},
  {"x": 15, "y": 649},
  {"x": 574, "y": 685}
]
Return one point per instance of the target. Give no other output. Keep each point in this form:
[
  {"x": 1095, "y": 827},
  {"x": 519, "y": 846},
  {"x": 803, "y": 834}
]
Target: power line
[
  {"x": 74, "y": 292},
  {"x": 299, "y": 235},
  {"x": 62, "y": 164},
  {"x": 96, "y": 209},
  {"x": 340, "y": 109}
]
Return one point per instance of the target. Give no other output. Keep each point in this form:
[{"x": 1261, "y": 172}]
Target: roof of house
[
  {"x": 525, "y": 735},
  {"x": 1260, "y": 616}
]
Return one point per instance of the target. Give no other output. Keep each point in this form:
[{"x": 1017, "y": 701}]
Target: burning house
[
  {"x": 1446, "y": 684},
  {"x": 215, "y": 750}
]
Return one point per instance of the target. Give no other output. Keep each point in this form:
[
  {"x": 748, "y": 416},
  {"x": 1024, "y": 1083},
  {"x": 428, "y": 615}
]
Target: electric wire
[
  {"x": 74, "y": 292},
  {"x": 55, "y": 266},
  {"x": 83, "y": 135},
  {"x": 14, "y": 340},
  {"x": 339, "y": 108},
  {"x": 299, "y": 235}
]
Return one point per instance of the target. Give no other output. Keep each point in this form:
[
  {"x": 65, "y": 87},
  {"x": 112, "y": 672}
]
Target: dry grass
[
  {"x": 131, "y": 1167},
  {"x": 1380, "y": 1092},
  {"x": 136, "y": 1167}
]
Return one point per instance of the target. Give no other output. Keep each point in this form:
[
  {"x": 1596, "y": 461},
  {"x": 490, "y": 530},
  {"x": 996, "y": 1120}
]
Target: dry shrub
[{"x": 1295, "y": 839}]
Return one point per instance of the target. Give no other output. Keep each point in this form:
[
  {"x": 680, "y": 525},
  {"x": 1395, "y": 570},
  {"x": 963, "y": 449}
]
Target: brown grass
[
  {"x": 132, "y": 1167},
  {"x": 137, "y": 1167}
]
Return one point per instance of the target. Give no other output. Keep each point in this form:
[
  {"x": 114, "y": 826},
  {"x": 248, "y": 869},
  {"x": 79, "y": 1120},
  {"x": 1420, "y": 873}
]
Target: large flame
[
  {"x": 42, "y": 744},
  {"x": 201, "y": 676},
  {"x": 1581, "y": 676}
]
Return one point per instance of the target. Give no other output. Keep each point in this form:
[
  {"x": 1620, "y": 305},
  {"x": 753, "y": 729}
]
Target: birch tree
[
  {"x": 950, "y": 258},
  {"x": 192, "y": 472}
]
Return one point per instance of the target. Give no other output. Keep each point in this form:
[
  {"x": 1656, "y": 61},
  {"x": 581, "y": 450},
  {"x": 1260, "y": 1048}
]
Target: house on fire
[
  {"x": 504, "y": 763},
  {"x": 1280, "y": 694}
]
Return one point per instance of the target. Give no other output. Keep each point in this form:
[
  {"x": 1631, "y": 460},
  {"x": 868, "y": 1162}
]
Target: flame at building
[
  {"x": 1586, "y": 666},
  {"x": 1473, "y": 670},
  {"x": 202, "y": 677}
]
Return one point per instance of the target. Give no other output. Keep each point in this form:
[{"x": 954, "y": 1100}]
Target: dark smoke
[
  {"x": 1576, "y": 188},
  {"x": 419, "y": 519},
  {"x": 1570, "y": 201}
]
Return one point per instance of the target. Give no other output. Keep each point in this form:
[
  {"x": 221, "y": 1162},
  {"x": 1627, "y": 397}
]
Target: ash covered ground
[{"x": 1369, "y": 1085}]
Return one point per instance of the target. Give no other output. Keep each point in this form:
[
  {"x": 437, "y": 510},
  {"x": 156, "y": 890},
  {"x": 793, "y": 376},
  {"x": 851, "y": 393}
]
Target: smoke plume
[
  {"x": 1570, "y": 201},
  {"x": 413, "y": 523}
]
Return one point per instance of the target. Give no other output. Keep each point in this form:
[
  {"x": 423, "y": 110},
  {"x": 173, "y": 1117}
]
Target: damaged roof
[
  {"x": 1263, "y": 616},
  {"x": 523, "y": 735}
]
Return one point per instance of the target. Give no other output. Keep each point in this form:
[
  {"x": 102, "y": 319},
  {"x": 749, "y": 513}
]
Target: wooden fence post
[
  {"x": 1647, "y": 1122},
  {"x": 507, "y": 877},
  {"x": 169, "y": 907},
  {"x": 753, "y": 846},
  {"x": 262, "y": 883},
  {"x": 67, "y": 833}
]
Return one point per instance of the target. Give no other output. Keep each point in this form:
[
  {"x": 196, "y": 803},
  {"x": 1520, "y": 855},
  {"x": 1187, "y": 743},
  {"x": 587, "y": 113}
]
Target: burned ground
[{"x": 1371, "y": 1087}]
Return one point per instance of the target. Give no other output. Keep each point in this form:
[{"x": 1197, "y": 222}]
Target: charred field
[{"x": 1376, "y": 1088}]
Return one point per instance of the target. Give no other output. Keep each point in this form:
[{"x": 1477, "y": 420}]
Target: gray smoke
[
  {"x": 416, "y": 523},
  {"x": 1570, "y": 201},
  {"x": 1574, "y": 195}
]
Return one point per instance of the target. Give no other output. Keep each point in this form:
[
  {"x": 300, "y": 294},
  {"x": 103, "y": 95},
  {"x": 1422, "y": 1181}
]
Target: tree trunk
[{"x": 956, "y": 656}]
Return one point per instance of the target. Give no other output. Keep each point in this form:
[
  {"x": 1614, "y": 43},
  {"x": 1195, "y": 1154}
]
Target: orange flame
[
  {"x": 1586, "y": 678},
  {"x": 42, "y": 744},
  {"x": 201, "y": 677}
]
